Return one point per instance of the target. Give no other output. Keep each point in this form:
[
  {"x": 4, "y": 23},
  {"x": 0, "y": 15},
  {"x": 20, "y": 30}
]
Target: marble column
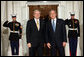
[
  {"x": 81, "y": 26},
  {"x": 4, "y": 31}
]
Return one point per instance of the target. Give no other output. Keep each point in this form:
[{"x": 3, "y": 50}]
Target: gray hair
[
  {"x": 52, "y": 10},
  {"x": 36, "y": 10}
]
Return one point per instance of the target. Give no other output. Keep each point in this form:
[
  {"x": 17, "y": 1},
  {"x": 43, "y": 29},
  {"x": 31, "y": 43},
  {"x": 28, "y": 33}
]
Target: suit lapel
[
  {"x": 57, "y": 24},
  {"x": 40, "y": 25},
  {"x": 34, "y": 23},
  {"x": 51, "y": 25}
]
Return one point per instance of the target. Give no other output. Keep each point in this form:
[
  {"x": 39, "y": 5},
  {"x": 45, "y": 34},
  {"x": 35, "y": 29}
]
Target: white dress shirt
[
  {"x": 55, "y": 20},
  {"x": 36, "y": 22}
]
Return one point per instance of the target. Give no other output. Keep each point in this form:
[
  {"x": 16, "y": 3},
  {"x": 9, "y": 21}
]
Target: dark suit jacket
[
  {"x": 34, "y": 36},
  {"x": 59, "y": 36}
]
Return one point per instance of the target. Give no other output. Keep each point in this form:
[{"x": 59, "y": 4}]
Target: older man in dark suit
[
  {"x": 35, "y": 34},
  {"x": 55, "y": 34}
]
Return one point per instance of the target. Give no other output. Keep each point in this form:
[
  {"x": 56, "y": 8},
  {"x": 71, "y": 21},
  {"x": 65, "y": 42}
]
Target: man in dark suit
[
  {"x": 55, "y": 34},
  {"x": 35, "y": 34}
]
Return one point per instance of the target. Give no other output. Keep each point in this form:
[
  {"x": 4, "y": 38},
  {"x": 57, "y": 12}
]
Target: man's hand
[
  {"x": 29, "y": 45},
  {"x": 64, "y": 44},
  {"x": 48, "y": 45}
]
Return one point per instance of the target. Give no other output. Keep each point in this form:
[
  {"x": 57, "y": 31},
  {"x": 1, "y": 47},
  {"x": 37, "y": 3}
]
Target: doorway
[
  {"x": 44, "y": 10},
  {"x": 44, "y": 15}
]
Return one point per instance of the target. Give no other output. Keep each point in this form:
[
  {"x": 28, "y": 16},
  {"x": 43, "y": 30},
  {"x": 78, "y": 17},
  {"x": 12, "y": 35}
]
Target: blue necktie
[{"x": 54, "y": 26}]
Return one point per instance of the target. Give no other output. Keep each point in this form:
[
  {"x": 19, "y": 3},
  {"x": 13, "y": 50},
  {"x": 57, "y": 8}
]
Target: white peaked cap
[
  {"x": 72, "y": 12},
  {"x": 13, "y": 14}
]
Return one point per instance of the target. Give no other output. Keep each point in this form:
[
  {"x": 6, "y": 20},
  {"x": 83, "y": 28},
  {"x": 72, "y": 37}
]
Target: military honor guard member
[
  {"x": 73, "y": 33},
  {"x": 15, "y": 34}
]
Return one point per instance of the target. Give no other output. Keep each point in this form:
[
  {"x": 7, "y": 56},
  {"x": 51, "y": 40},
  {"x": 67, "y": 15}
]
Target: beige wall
[
  {"x": 81, "y": 27},
  {"x": 4, "y": 31}
]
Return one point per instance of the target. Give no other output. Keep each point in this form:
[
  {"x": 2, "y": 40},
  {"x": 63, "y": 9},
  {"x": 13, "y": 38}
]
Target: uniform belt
[
  {"x": 14, "y": 31},
  {"x": 72, "y": 29}
]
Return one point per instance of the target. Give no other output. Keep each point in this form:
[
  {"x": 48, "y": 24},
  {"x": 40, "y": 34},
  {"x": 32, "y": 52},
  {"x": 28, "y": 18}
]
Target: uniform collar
[{"x": 14, "y": 21}]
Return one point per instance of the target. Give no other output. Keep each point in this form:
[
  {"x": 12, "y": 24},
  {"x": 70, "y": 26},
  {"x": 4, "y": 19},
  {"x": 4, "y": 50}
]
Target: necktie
[
  {"x": 37, "y": 24},
  {"x": 54, "y": 26}
]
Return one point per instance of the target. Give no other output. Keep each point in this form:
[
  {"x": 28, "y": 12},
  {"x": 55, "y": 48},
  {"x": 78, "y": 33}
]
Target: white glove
[{"x": 78, "y": 37}]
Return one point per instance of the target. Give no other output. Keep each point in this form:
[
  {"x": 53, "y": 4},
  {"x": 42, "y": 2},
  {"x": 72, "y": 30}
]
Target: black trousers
[
  {"x": 54, "y": 48},
  {"x": 34, "y": 50},
  {"x": 14, "y": 47},
  {"x": 73, "y": 46}
]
